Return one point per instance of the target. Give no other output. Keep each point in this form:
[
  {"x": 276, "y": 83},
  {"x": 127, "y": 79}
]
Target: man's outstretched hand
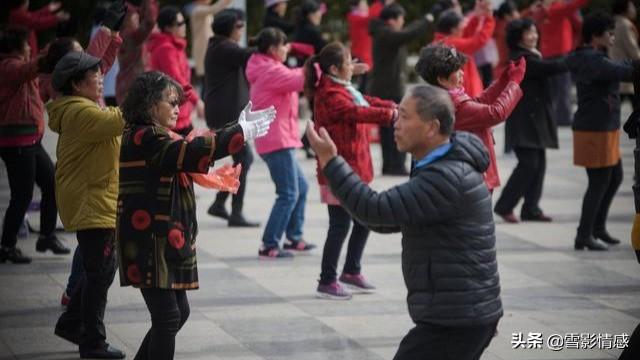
[{"x": 322, "y": 144}]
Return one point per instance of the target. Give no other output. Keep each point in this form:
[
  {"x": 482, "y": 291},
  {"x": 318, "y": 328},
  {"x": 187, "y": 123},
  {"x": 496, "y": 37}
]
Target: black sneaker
[
  {"x": 104, "y": 352},
  {"x": 51, "y": 243},
  {"x": 13, "y": 255}
]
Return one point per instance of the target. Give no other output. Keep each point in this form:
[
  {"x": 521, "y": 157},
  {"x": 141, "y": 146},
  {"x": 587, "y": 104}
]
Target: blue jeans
[{"x": 287, "y": 214}]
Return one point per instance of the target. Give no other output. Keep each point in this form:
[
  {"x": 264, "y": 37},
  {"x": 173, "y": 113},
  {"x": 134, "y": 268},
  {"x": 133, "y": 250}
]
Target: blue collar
[{"x": 434, "y": 155}]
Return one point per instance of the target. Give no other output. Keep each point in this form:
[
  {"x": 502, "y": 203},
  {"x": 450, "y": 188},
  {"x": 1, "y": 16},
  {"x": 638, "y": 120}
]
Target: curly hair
[
  {"x": 439, "y": 61},
  {"x": 145, "y": 92}
]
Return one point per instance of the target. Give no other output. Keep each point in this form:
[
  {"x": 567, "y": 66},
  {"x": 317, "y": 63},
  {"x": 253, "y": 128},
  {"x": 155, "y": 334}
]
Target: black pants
[
  {"x": 526, "y": 181},
  {"x": 89, "y": 301},
  {"x": 339, "y": 223},
  {"x": 603, "y": 185},
  {"x": 169, "y": 310},
  {"x": 392, "y": 159},
  {"x": 436, "y": 342},
  {"x": 27, "y": 165},
  {"x": 244, "y": 157}
]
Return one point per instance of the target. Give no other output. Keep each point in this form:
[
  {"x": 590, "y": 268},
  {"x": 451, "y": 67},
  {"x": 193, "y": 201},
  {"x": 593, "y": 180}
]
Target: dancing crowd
[{"x": 128, "y": 153}]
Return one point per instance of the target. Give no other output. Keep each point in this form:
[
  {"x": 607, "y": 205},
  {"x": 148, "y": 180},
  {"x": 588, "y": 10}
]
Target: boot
[
  {"x": 590, "y": 243},
  {"x": 604, "y": 236},
  {"x": 216, "y": 209},
  {"x": 238, "y": 220},
  {"x": 52, "y": 243}
]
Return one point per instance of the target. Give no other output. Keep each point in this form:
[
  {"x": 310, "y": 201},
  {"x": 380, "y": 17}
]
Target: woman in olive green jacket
[{"x": 86, "y": 192}]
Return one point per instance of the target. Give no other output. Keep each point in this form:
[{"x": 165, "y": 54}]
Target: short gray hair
[{"x": 434, "y": 103}]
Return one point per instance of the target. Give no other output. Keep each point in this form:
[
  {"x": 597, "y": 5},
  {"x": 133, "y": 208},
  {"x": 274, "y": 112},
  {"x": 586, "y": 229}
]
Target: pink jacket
[{"x": 272, "y": 83}]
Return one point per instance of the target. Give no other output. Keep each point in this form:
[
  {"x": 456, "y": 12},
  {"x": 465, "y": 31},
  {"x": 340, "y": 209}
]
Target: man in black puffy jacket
[{"x": 448, "y": 235}]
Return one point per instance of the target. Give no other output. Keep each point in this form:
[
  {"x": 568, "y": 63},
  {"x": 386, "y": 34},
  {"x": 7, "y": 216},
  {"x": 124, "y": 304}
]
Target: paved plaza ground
[{"x": 251, "y": 309}]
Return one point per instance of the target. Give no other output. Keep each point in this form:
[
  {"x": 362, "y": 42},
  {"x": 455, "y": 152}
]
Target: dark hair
[
  {"x": 333, "y": 54},
  {"x": 392, "y": 11},
  {"x": 304, "y": 10},
  {"x": 57, "y": 49},
  {"x": 67, "y": 89},
  {"x": 596, "y": 25},
  {"x": 438, "y": 60},
  {"x": 448, "y": 21},
  {"x": 12, "y": 38},
  {"x": 167, "y": 17},
  {"x": 100, "y": 11},
  {"x": 441, "y": 6},
  {"x": 434, "y": 103},
  {"x": 619, "y": 7},
  {"x": 145, "y": 92},
  {"x": 506, "y": 8},
  {"x": 267, "y": 38},
  {"x": 225, "y": 22},
  {"x": 516, "y": 29}
]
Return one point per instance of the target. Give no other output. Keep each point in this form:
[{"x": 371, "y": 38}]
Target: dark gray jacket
[
  {"x": 532, "y": 123},
  {"x": 598, "y": 83},
  {"x": 388, "y": 76},
  {"x": 448, "y": 235},
  {"x": 226, "y": 86}
]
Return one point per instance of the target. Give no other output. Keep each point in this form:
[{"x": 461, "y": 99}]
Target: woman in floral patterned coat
[{"x": 156, "y": 226}]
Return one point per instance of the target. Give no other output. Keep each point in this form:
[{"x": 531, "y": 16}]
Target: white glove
[{"x": 256, "y": 123}]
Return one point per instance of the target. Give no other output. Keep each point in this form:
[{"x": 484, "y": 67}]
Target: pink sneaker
[
  {"x": 357, "y": 282},
  {"x": 333, "y": 291}
]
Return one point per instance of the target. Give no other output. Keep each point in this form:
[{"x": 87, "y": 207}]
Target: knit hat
[{"x": 270, "y": 3}]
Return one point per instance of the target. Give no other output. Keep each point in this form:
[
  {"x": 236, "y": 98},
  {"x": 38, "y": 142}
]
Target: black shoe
[
  {"x": 590, "y": 243},
  {"x": 72, "y": 336},
  {"x": 240, "y": 221},
  {"x": 51, "y": 243},
  {"x": 299, "y": 245},
  {"x": 106, "y": 352},
  {"x": 13, "y": 255},
  {"x": 604, "y": 236},
  {"x": 218, "y": 211}
]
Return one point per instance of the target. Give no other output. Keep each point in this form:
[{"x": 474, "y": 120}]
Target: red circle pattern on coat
[
  {"x": 133, "y": 274},
  {"x": 236, "y": 143},
  {"x": 140, "y": 220},
  {"x": 176, "y": 238},
  {"x": 137, "y": 138}
]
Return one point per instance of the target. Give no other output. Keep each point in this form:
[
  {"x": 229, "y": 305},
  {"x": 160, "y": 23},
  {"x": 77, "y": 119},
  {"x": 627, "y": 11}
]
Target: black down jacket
[{"x": 448, "y": 235}]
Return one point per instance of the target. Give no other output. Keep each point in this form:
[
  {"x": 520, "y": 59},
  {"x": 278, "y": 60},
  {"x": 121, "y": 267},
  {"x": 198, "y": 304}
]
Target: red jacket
[
  {"x": 361, "y": 45},
  {"x": 167, "y": 54},
  {"x": 133, "y": 56},
  {"x": 21, "y": 110},
  {"x": 475, "y": 35},
  {"x": 477, "y": 115},
  {"x": 41, "y": 19},
  {"x": 335, "y": 110},
  {"x": 556, "y": 29}
]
